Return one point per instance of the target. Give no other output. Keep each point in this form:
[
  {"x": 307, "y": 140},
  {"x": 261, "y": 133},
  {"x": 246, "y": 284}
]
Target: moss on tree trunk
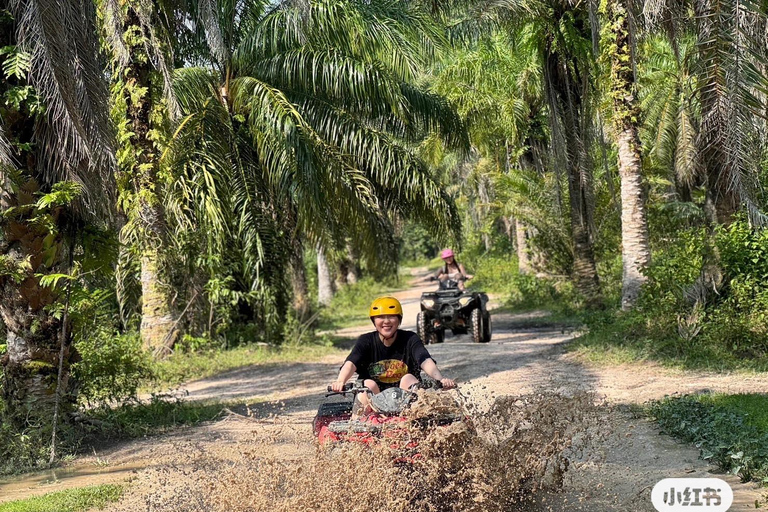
[
  {"x": 158, "y": 331},
  {"x": 635, "y": 248}
]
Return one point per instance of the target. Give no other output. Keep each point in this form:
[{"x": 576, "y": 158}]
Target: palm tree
[
  {"x": 141, "y": 69},
  {"x": 731, "y": 49},
  {"x": 57, "y": 174},
  {"x": 635, "y": 246},
  {"x": 568, "y": 67},
  {"x": 301, "y": 126},
  {"x": 730, "y": 78},
  {"x": 488, "y": 83},
  {"x": 559, "y": 36},
  {"x": 669, "y": 104}
]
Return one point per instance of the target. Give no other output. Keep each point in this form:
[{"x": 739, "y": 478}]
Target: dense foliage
[
  {"x": 727, "y": 437},
  {"x": 260, "y": 155}
]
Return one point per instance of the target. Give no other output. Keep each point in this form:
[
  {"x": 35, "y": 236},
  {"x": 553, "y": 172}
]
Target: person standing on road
[{"x": 388, "y": 356}]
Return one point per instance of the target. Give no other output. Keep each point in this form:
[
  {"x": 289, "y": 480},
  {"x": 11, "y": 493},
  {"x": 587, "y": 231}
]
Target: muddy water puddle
[{"x": 69, "y": 477}]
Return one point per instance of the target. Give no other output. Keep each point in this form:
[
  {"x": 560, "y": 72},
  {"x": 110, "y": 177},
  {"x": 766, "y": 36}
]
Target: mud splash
[{"x": 513, "y": 448}]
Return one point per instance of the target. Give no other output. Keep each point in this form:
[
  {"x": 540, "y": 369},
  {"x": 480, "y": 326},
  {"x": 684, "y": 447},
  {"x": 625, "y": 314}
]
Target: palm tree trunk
[
  {"x": 353, "y": 269},
  {"x": 158, "y": 331},
  {"x": 523, "y": 257},
  {"x": 636, "y": 252},
  {"x": 342, "y": 269},
  {"x": 324, "y": 280},
  {"x": 584, "y": 271},
  {"x": 509, "y": 230},
  {"x": 566, "y": 92},
  {"x": 635, "y": 247},
  {"x": 301, "y": 303},
  {"x": 33, "y": 338}
]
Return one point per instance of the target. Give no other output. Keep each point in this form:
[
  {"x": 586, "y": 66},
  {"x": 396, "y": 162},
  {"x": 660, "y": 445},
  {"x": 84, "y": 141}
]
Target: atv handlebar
[
  {"x": 347, "y": 387},
  {"x": 429, "y": 383},
  {"x": 354, "y": 387}
]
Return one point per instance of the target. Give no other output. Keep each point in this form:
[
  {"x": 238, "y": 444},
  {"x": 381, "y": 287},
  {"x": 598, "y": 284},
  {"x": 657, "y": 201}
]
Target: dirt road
[{"x": 618, "y": 475}]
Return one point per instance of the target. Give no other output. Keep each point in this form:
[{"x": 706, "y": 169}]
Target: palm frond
[
  {"x": 332, "y": 75},
  {"x": 6, "y": 155},
  {"x": 730, "y": 48},
  {"x": 113, "y": 32},
  {"x": 395, "y": 33},
  {"x": 401, "y": 179},
  {"x": 75, "y": 135},
  {"x": 209, "y": 17},
  {"x": 159, "y": 50}
]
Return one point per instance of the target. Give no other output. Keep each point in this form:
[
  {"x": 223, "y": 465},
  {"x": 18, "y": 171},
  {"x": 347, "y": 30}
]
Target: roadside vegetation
[
  {"x": 678, "y": 323},
  {"x": 349, "y": 305},
  {"x": 72, "y": 500},
  {"x": 731, "y": 431}
]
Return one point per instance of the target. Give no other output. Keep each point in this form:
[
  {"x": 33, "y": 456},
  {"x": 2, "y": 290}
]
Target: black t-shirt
[{"x": 387, "y": 365}]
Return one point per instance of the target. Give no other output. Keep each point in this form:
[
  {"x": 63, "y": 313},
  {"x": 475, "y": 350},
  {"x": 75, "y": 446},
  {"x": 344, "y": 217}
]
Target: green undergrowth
[
  {"x": 108, "y": 412},
  {"x": 350, "y": 304},
  {"x": 492, "y": 273},
  {"x": 499, "y": 275},
  {"x": 156, "y": 416},
  {"x": 616, "y": 338},
  {"x": 719, "y": 323},
  {"x": 731, "y": 431},
  {"x": 182, "y": 367},
  {"x": 71, "y": 500}
]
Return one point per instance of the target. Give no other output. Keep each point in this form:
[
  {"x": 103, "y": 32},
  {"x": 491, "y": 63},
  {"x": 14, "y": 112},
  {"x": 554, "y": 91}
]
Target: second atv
[{"x": 461, "y": 311}]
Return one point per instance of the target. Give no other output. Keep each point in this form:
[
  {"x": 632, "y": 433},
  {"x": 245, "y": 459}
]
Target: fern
[
  {"x": 17, "y": 62},
  {"x": 52, "y": 280},
  {"x": 61, "y": 194}
]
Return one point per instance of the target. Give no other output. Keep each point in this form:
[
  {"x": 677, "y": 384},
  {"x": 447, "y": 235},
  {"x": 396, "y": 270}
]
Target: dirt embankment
[{"x": 212, "y": 466}]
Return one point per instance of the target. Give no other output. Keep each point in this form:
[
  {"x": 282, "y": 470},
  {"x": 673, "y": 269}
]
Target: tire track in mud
[{"x": 617, "y": 474}]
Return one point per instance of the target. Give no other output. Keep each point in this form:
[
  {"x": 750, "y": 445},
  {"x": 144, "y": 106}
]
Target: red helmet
[{"x": 447, "y": 253}]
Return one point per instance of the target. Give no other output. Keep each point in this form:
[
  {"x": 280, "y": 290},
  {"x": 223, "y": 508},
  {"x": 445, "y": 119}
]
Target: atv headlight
[
  {"x": 464, "y": 301},
  {"x": 428, "y": 303}
]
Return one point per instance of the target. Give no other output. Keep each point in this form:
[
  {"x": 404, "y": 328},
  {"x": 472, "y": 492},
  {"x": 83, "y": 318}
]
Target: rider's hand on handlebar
[
  {"x": 337, "y": 386},
  {"x": 447, "y": 383}
]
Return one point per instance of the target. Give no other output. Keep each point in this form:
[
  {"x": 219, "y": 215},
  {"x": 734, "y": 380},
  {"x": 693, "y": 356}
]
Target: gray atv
[{"x": 461, "y": 311}]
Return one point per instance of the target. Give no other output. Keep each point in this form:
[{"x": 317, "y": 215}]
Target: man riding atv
[{"x": 388, "y": 356}]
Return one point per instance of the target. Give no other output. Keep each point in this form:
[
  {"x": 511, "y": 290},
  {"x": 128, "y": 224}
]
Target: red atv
[{"x": 389, "y": 418}]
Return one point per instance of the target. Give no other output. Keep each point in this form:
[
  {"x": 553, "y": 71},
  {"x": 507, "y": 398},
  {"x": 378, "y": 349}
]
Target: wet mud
[{"x": 505, "y": 452}]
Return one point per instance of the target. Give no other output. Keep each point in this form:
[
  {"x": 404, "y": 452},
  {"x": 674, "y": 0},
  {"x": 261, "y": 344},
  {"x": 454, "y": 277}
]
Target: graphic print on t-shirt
[{"x": 388, "y": 371}]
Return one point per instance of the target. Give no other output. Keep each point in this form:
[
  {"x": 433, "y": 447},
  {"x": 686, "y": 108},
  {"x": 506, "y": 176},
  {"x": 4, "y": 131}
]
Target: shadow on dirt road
[{"x": 276, "y": 403}]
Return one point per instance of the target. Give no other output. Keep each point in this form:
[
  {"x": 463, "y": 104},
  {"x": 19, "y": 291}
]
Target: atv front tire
[
  {"x": 421, "y": 328},
  {"x": 476, "y": 326}
]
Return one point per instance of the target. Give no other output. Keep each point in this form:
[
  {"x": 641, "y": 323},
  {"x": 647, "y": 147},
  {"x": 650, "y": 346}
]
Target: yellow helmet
[{"x": 385, "y": 306}]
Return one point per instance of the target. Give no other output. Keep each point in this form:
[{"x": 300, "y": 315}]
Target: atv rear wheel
[
  {"x": 476, "y": 324},
  {"x": 421, "y": 327}
]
